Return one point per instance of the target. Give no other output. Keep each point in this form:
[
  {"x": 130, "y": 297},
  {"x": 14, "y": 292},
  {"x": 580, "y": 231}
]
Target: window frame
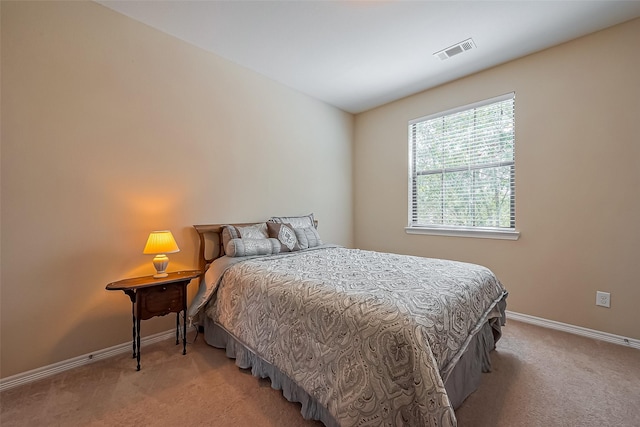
[{"x": 510, "y": 233}]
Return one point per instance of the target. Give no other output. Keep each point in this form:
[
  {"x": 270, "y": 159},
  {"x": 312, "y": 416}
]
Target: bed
[{"x": 359, "y": 338}]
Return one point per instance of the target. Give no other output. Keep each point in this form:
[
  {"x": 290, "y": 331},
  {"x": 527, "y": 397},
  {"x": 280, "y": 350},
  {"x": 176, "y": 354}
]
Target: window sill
[{"x": 480, "y": 233}]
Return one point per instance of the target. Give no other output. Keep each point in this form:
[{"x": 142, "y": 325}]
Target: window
[{"x": 462, "y": 171}]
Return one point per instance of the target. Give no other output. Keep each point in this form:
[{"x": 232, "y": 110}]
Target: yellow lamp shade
[{"x": 161, "y": 242}]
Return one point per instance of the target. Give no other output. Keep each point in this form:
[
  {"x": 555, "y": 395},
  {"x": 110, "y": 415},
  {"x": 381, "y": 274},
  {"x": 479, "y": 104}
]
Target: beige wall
[
  {"x": 577, "y": 180},
  {"x": 111, "y": 129}
]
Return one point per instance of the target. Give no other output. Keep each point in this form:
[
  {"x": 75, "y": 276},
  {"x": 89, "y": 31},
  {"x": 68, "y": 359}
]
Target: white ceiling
[{"x": 357, "y": 55}]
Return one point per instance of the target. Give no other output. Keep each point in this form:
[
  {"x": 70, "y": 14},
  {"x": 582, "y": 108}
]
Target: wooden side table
[{"x": 152, "y": 297}]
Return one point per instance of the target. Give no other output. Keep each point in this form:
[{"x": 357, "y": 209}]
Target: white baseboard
[
  {"x": 65, "y": 365},
  {"x": 572, "y": 329}
]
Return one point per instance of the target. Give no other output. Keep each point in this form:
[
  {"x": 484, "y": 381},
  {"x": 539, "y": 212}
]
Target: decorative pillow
[
  {"x": 308, "y": 237},
  {"x": 257, "y": 231},
  {"x": 229, "y": 232},
  {"x": 285, "y": 234},
  {"x": 295, "y": 221},
  {"x": 252, "y": 247}
]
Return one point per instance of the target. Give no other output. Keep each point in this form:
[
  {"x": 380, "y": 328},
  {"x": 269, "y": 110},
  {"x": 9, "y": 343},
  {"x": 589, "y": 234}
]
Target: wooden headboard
[{"x": 212, "y": 234}]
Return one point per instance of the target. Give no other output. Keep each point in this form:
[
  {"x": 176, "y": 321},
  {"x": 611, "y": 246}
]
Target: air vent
[{"x": 455, "y": 49}]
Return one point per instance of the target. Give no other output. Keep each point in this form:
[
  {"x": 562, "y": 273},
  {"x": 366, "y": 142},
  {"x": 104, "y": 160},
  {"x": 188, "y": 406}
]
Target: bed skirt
[
  {"x": 217, "y": 336},
  {"x": 463, "y": 380}
]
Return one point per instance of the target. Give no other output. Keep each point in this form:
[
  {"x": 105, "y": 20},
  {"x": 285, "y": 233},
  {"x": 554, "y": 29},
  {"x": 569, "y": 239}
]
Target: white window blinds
[{"x": 462, "y": 167}]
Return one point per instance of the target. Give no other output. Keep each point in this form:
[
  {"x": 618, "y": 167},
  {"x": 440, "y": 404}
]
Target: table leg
[
  {"x": 184, "y": 318},
  {"x": 184, "y": 331},
  {"x": 138, "y": 342},
  {"x": 177, "y": 328},
  {"x": 136, "y": 324},
  {"x": 133, "y": 314}
]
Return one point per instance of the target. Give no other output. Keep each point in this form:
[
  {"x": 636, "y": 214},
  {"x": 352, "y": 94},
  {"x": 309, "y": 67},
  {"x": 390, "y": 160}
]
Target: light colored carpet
[
  {"x": 540, "y": 378},
  {"x": 547, "y": 378}
]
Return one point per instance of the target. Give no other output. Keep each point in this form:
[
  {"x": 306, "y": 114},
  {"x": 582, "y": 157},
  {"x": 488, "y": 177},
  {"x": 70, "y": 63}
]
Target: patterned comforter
[{"x": 371, "y": 336}]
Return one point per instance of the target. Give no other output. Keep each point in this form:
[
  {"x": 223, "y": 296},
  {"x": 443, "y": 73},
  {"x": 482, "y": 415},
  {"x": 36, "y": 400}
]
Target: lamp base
[{"x": 160, "y": 262}]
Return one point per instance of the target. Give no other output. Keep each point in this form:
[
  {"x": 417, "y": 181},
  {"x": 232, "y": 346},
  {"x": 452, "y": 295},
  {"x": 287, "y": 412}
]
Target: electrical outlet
[{"x": 603, "y": 299}]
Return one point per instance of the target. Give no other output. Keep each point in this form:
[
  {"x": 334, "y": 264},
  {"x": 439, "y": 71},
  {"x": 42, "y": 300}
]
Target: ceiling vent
[{"x": 463, "y": 46}]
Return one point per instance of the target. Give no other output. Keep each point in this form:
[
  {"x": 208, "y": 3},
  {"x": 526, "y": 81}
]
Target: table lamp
[{"x": 159, "y": 244}]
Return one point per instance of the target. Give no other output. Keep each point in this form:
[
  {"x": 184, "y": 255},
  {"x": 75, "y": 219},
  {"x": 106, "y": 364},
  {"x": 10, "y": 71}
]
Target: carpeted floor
[
  {"x": 540, "y": 378},
  {"x": 547, "y": 378}
]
